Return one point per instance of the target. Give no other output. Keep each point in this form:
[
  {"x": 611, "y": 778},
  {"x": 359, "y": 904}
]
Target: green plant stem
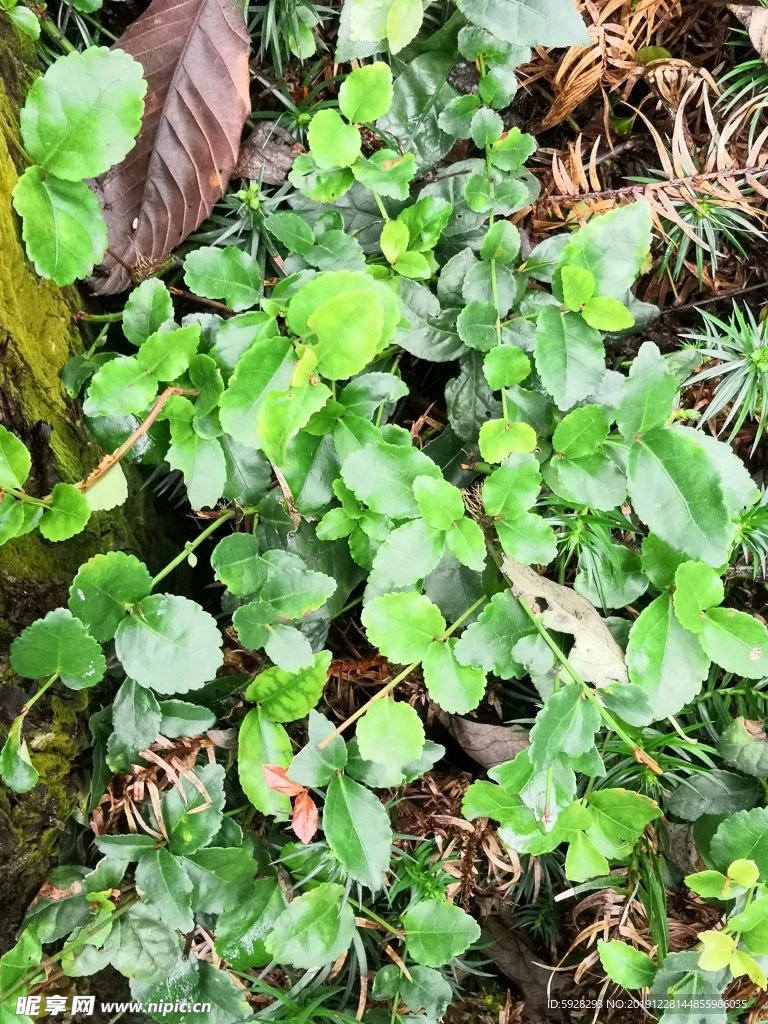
[
  {"x": 398, "y": 679},
  {"x": 190, "y": 546},
  {"x": 86, "y": 934},
  {"x": 20, "y": 495},
  {"x": 33, "y": 700},
  {"x": 606, "y": 716},
  {"x": 53, "y": 33},
  {"x": 380, "y": 204},
  {"x": 99, "y": 318},
  {"x": 375, "y": 917}
]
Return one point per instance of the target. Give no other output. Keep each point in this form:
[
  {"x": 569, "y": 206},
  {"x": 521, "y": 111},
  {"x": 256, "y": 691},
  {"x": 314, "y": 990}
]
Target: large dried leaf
[
  {"x": 487, "y": 744},
  {"x": 595, "y": 654},
  {"x": 195, "y": 59},
  {"x": 755, "y": 21}
]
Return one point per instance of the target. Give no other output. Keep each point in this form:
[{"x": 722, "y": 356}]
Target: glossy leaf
[
  {"x": 58, "y": 643},
  {"x": 357, "y": 830}
]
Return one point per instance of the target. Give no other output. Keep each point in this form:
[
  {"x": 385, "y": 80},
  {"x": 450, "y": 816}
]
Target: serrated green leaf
[
  {"x": 382, "y": 476},
  {"x": 488, "y": 643},
  {"x": 457, "y": 689},
  {"x": 512, "y": 489},
  {"x": 315, "y": 929},
  {"x": 529, "y": 23},
  {"x": 467, "y": 542},
  {"x": 68, "y": 514},
  {"x": 15, "y": 460},
  {"x": 578, "y": 287},
  {"x": 164, "y": 885},
  {"x": 287, "y": 696},
  {"x": 282, "y": 414},
  {"x": 262, "y": 742},
  {"x": 102, "y": 589},
  {"x": 606, "y": 314},
  {"x": 136, "y": 719},
  {"x": 393, "y": 240},
  {"x": 59, "y": 643},
  {"x": 527, "y": 539},
  {"x": 501, "y": 243},
  {"x": 267, "y": 365},
  {"x": 191, "y": 819},
  {"x": 697, "y": 588},
  {"x": 148, "y": 307},
  {"x": 357, "y": 830},
  {"x": 333, "y": 143},
  {"x": 735, "y": 641},
  {"x": 16, "y": 768},
  {"x": 613, "y": 247},
  {"x": 565, "y": 725},
  {"x": 476, "y": 325},
  {"x": 581, "y": 432},
  {"x": 366, "y": 93},
  {"x": 486, "y": 127},
  {"x": 167, "y": 354},
  {"x": 236, "y": 563},
  {"x": 499, "y": 439},
  {"x": 180, "y": 718},
  {"x": 229, "y": 274},
  {"x": 584, "y": 860},
  {"x": 241, "y": 931},
  {"x": 387, "y": 172},
  {"x": 390, "y": 733},
  {"x": 456, "y": 117},
  {"x": 627, "y": 966},
  {"x": 402, "y": 626},
  {"x": 505, "y": 366},
  {"x": 348, "y": 328},
  {"x": 647, "y": 394},
  {"x": 315, "y": 767},
  {"x": 142, "y": 946},
  {"x": 437, "y": 931},
  {"x": 168, "y": 643},
  {"x": 569, "y": 356},
  {"x": 121, "y": 387},
  {"x": 407, "y": 554},
  {"x": 618, "y": 819},
  {"x": 291, "y": 229},
  {"x": 440, "y": 503}
]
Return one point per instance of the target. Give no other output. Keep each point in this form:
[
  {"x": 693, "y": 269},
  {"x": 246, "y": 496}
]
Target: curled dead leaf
[{"x": 489, "y": 745}]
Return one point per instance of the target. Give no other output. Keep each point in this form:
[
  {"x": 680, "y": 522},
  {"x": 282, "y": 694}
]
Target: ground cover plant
[{"x": 443, "y": 662}]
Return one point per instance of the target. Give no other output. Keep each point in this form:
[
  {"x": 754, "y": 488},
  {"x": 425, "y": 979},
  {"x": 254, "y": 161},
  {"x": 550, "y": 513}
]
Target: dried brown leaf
[{"x": 195, "y": 59}]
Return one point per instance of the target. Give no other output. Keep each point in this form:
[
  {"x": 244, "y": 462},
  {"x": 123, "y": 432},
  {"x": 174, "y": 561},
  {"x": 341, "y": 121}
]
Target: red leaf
[
  {"x": 304, "y": 822},
  {"x": 277, "y": 779},
  {"x": 195, "y": 59}
]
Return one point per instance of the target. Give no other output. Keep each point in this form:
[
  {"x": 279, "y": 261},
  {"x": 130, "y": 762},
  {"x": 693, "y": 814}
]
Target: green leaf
[
  {"x": 697, "y": 588},
  {"x": 659, "y": 561},
  {"x": 743, "y": 835},
  {"x": 501, "y": 243},
  {"x": 68, "y": 514},
  {"x": 120, "y": 387},
  {"x": 511, "y": 151},
  {"x": 287, "y": 696},
  {"x": 15, "y": 460},
  {"x": 82, "y": 115},
  {"x": 710, "y": 884},
  {"x": 487, "y": 800},
  {"x": 195, "y": 983},
  {"x": 426, "y": 990},
  {"x": 505, "y": 366},
  {"x": 168, "y": 643},
  {"x": 581, "y": 432},
  {"x": 126, "y": 847},
  {"x": 229, "y": 274},
  {"x": 676, "y": 492},
  {"x": 606, "y": 314},
  {"x": 476, "y": 325},
  {"x": 192, "y": 820},
  {"x": 578, "y": 287},
  {"x": 584, "y": 860},
  {"x": 314, "y": 929},
  {"x": 25, "y": 20},
  {"x": 413, "y": 265},
  {"x": 664, "y": 659},
  {"x": 569, "y": 356},
  {"x": 142, "y": 946},
  {"x": 236, "y": 563},
  {"x": 267, "y": 365},
  {"x": 408, "y": 554},
  {"x": 262, "y": 742},
  {"x": 180, "y": 718},
  {"x": 499, "y": 439},
  {"x": 486, "y": 127},
  {"x": 241, "y": 931},
  {"x": 613, "y": 247},
  {"x": 402, "y": 626},
  {"x": 735, "y": 641},
  {"x": 390, "y": 733},
  {"x": 52, "y": 212},
  {"x": 440, "y": 503},
  {"x": 528, "y": 539},
  {"x": 12, "y": 518},
  {"x": 512, "y": 489},
  {"x": 366, "y": 93},
  {"x": 388, "y": 172},
  {"x": 148, "y": 308},
  {"x": 292, "y": 230},
  {"x": 315, "y": 767},
  {"x": 528, "y": 22},
  {"x": 393, "y": 240},
  {"x": 349, "y": 329},
  {"x": 164, "y": 885},
  {"x": 167, "y": 354},
  {"x": 16, "y": 768},
  {"x": 109, "y": 492},
  {"x": 437, "y": 931},
  {"x": 467, "y": 542},
  {"x": 565, "y": 725},
  {"x": 647, "y": 394},
  {"x": 382, "y": 476},
  {"x": 610, "y": 576},
  {"x": 742, "y": 745},
  {"x": 403, "y": 23},
  {"x": 59, "y": 643},
  {"x": 333, "y": 142},
  {"x": 102, "y": 589},
  {"x": 136, "y": 719},
  {"x": 282, "y": 414},
  {"x": 488, "y": 642},
  {"x": 715, "y": 792},
  {"x": 618, "y": 819},
  {"x": 457, "y": 689},
  {"x": 293, "y": 590},
  {"x": 627, "y": 966},
  {"x": 456, "y": 117},
  {"x": 357, "y": 830}
]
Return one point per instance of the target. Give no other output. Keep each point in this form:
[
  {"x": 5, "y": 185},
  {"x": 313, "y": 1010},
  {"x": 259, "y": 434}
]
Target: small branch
[
  {"x": 290, "y": 501},
  {"x": 398, "y": 678},
  {"x": 191, "y": 545},
  {"x": 33, "y": 700},
  {"x": 97, "y": 318},
  {"x": 218, "y": 306},
  {"x": 629, "y": 190},
  {"x": 109, "y": 461},
  {"x": 54, "y": 33}
]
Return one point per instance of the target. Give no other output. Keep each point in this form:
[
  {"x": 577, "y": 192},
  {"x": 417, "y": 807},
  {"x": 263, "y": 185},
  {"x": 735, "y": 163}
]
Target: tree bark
[{"x": 37, "y": 336}]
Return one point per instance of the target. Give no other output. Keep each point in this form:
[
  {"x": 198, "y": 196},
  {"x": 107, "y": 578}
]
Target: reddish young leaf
[
  {"x": 195, "y": 59},
  {"x": 277, "y": 779},
  {"x": 304, "y": 822}
]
